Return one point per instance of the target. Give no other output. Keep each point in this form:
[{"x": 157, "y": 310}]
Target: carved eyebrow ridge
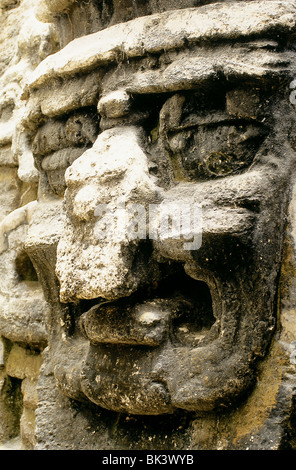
[{"x": 175, "y": 29}]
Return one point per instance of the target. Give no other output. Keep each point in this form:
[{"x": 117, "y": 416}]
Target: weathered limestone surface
[
  {"x": 145, "y": 332},
  {"x": 24, "y": 43}
]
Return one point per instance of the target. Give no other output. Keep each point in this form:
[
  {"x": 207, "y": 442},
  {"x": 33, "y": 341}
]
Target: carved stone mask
[{"x": 190, "y": 109}]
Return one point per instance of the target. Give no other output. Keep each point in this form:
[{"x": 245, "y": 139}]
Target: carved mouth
[
  {"x": 178, "y": 309},
  {"x": 132, "y": 341}
]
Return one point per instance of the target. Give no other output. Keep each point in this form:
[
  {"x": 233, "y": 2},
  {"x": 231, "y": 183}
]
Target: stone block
[
  {"x": 27, "y": 429},
  {"x": 22, "y": 363},
  {"x": 29, "y": 391}
]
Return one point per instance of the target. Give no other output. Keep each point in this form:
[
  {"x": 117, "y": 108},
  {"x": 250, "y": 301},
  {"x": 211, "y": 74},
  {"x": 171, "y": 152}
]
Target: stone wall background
[{"x": 24, "y": 42}]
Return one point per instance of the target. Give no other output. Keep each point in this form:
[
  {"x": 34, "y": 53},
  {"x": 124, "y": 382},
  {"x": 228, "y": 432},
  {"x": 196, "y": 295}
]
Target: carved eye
[{"x": 216, "y": 150}]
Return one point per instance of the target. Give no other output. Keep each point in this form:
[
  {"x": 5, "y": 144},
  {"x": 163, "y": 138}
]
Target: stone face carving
[
  {"x": 187, "y": 106},
  {"x": 162, "y": 332}
]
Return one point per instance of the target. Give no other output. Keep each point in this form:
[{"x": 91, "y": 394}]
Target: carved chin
[{"x": 155, "y": 383}]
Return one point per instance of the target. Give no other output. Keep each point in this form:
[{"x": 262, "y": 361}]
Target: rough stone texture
[
  {"x": 24, "y": 43},
  {"x": 131, "y": 336}
]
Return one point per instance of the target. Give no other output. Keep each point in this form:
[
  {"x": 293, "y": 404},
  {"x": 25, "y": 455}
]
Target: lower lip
[{"x": 135, "y": 398}]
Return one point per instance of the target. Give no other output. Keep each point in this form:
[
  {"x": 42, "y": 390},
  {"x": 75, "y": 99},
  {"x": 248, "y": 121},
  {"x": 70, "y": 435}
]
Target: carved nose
[
  {"x": 113, "y": 173},
  {"x": 145, "y": 324}
]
